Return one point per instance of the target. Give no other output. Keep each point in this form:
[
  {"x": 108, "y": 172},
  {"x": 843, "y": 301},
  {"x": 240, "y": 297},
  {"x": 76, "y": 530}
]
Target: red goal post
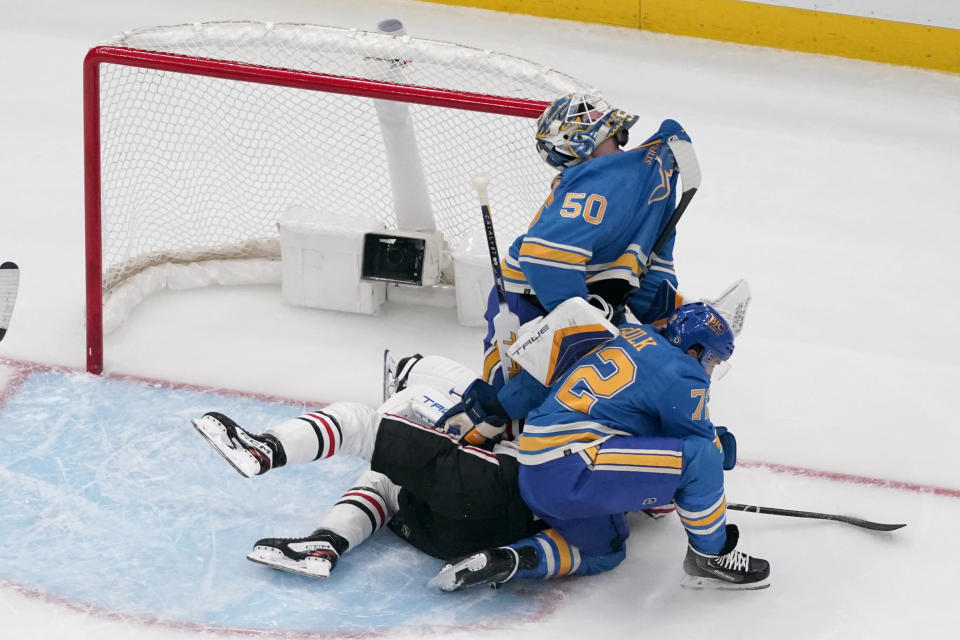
[{"x": 197, "y": 137}]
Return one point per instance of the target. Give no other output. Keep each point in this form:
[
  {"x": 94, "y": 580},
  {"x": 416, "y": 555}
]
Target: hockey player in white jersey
[{"x": 444, "y": 498}]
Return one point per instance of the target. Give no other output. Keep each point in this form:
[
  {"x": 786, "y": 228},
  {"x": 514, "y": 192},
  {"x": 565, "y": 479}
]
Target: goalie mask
[
  {"x": 572, "y": 127},
  {"x": 700, "y": 327}
]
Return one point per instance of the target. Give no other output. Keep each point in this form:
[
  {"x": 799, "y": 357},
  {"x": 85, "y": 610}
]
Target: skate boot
[
  {"x": 493, "y": 566},
  {"x": 248, "y": 453},
  {"x": 315, "y": 555},
  {"x": 395, "y": 372},
  {"x": 728, "y": 570}
]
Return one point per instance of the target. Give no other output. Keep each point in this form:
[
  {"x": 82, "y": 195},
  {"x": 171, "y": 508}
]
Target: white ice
[{"x": 828, "y": 183}]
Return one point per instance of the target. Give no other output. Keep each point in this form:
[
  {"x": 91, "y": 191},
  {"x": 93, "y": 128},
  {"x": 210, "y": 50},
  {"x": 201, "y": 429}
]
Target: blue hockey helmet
[
  {"x": 700, "y": 327},
  {"x": 572, "y": 126}
]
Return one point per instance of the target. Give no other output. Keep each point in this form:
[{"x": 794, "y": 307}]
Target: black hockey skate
[
  {"x": 728, "y": 570},
  {"x": 395, "y": 372},
  {"x": 493, "y": 566},
  {"x": 248, "y": 453},
  {"x": 315, "y": 555}
]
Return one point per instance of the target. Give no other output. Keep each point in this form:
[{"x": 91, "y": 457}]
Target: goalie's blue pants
[{"x": 584, "y": 496}]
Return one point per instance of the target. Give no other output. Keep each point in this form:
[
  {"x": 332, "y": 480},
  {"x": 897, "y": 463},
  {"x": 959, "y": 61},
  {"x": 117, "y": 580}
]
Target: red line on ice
[
  {"x": 24, "y": 368},
  {"x": 850, "y": 478}
]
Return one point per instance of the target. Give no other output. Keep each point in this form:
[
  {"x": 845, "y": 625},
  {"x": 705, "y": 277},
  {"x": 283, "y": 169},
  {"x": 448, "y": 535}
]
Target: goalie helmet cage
[{"x": 198, "y": 137}]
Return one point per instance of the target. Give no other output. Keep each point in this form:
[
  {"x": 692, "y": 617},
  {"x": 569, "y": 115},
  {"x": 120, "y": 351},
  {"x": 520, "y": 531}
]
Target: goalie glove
[
  {"x": 728, "y": 444},
  {"x": 478, "y": 416}
]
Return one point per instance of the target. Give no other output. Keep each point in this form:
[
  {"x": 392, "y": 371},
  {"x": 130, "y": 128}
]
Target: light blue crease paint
[{"x": 111, "y": 499}]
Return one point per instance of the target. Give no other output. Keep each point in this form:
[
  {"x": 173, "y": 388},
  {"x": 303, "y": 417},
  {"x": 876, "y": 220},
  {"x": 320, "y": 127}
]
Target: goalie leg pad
[{"x": 548, "y": 346}]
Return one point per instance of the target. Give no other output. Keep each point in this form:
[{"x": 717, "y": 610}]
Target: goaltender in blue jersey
[
  {"x": 594, "y": 235},
  {"x": 600, "y": 222}
]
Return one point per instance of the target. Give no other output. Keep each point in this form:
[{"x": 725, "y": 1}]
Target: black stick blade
[{"x": 775, "y": 511}]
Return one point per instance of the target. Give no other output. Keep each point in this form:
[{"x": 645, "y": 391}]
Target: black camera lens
[{"x": 393, "y": 258}]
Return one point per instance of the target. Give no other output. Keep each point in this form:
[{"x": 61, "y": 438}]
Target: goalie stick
[
  {"x": 9, "y": 285},
  {"x": 857, "y": 522},
  {"x": 506, "y": 324},
  {"x": 690, "y": 174},
  {"x": 689, "y": 168}
]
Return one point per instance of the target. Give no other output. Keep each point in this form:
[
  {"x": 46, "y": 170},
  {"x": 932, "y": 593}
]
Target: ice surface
[
  {"x": 151, "y": 522},
  {"x": 826, "y": 182}
]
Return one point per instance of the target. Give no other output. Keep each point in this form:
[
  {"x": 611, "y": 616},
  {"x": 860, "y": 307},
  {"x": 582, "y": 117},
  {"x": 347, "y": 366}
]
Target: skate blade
[
  {"x": 445, "y": 580},
  {"x": 450, "y": 577},
  {"x": 712, "y": 584},
  {"x": 215, "y": 433},
  {"x": 310, "y": 567}
]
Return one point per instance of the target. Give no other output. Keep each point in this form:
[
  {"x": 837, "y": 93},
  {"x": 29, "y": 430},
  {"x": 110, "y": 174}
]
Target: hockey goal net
[{"x": 198, "y": 137}]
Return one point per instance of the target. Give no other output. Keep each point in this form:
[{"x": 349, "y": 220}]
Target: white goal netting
[{"x": 209, "y": 132}]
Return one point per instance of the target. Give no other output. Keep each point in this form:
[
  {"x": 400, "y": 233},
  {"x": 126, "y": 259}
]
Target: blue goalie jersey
[
  {"x": 637, "y": 384},
  {"x": 599, "y": 222}
]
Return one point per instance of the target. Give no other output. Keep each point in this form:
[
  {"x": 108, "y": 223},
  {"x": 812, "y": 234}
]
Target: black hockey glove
[
  {"x": 477, "y": 417},
  {"x": 729, "y": 444}
]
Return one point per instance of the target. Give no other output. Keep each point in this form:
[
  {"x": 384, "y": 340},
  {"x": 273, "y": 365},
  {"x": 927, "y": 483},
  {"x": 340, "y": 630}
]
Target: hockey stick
[
  {"x": 686, "y": 160},
  {"x": 9, "y": 285},
  {"x": 506, "y": 324},
  {"x": 690, "y": 174},
  {"x": 857, "y": 522}
]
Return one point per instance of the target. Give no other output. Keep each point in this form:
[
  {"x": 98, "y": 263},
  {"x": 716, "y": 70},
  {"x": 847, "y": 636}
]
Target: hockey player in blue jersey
[
  {"x": 596, "y": 230},
  {"x": 593, "y": 238},
  {"x": 627, "y": 429}
]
